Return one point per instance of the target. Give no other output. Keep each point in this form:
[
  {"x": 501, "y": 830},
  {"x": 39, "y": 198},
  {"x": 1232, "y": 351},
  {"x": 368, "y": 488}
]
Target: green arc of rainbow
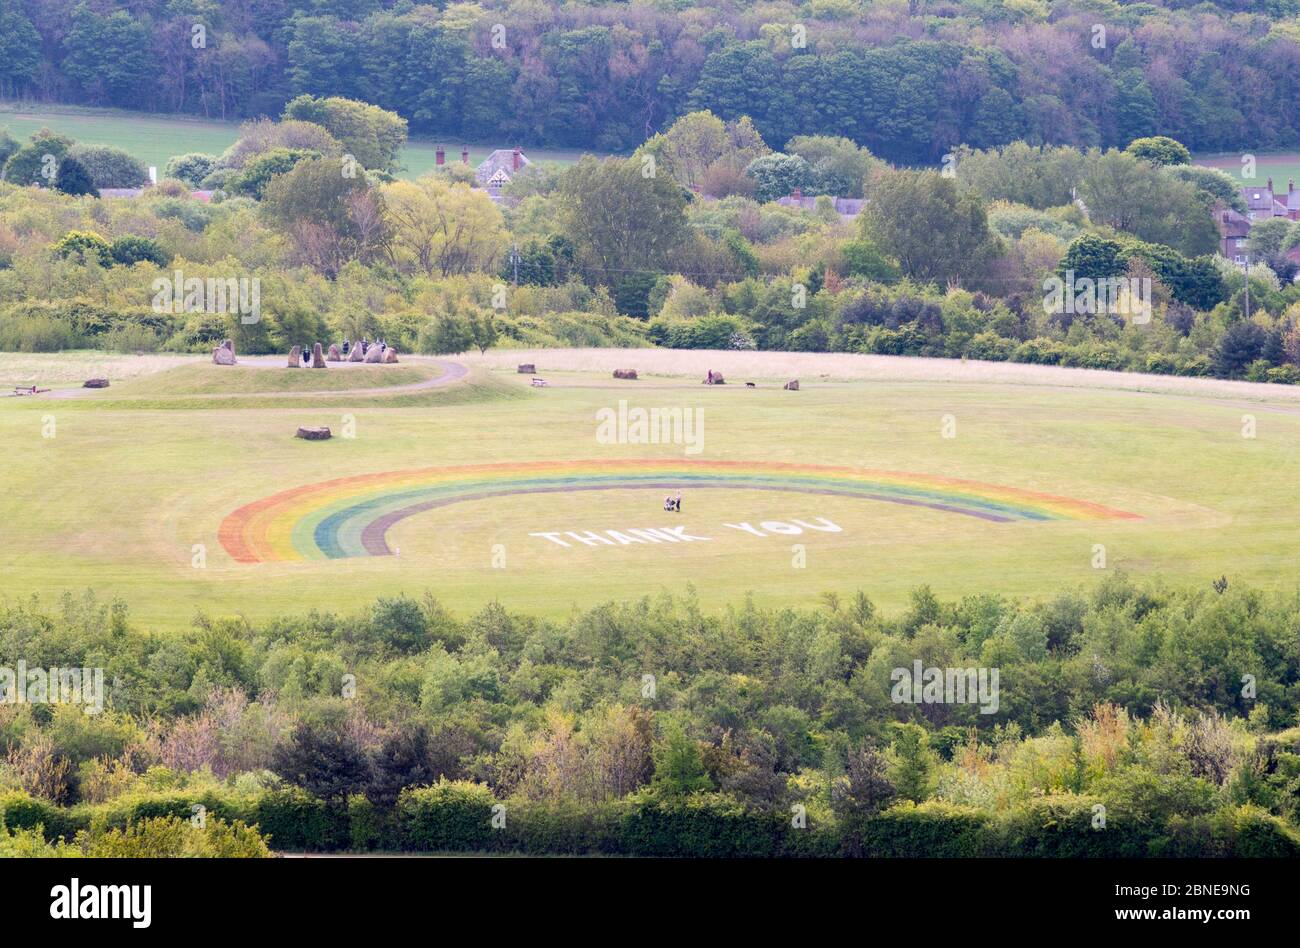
[{"x": 350, "y": 516}]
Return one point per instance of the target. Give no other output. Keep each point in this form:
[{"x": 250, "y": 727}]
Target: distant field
[
  {"x": 157, "y": 493},
  {"x": 154, "y": 138},
  {"x": 1280, "y": 166}
]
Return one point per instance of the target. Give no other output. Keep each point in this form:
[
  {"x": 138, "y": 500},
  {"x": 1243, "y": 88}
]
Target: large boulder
[
  {"x": 791, "y": 386},
  {"x": 333, "y": 355},
  {"x": 527, "y": 368},
  {"x": 625, "y": 373},
  {"x": 91, "y": 383},
  {"x": 390, "y": 355},
  {"x": 317, "y": 357},
  {"x": 224, "y": 354},
  {"x": 295, "y": 358},
  {"x": 356, "y": 355},
  {"x": 714, "y": 378},
  {"x": 375, "y": 354},
  {"x": 313, "y": 434}
]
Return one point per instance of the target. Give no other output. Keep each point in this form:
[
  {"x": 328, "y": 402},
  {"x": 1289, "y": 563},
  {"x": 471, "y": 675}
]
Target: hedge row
[{"x": 466, "y": 817}]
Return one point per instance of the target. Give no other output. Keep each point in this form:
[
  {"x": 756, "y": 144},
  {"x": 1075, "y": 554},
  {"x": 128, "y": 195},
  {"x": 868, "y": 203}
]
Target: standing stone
[
  {"x": 333, "y": 354},
  {"x": 317, "y": 357},
  {"x": 375, "y": 354},
  {"x": 295, "y": 357},
  {"x": 792, "y": 385},
  {"x": 224, "y": 354},
  {"x": 390, "y": 355},
  {"x": 357, "y": 354}
]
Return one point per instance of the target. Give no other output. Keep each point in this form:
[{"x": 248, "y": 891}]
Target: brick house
[
  {"x": 1262, "y": 204},
  {"x": 1234, "y": 230}
]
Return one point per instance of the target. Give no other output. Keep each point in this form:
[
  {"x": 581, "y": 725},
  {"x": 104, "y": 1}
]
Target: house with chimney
[
  {"x": 1262, "y": 204},
  {"x": 1234, "y": 234},
  {"x": 495, "y": 171},
  {"x": 846, "y": 208}
]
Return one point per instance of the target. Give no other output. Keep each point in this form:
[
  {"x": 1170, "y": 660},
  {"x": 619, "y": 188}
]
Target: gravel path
[{"x": 452, "y": 372}]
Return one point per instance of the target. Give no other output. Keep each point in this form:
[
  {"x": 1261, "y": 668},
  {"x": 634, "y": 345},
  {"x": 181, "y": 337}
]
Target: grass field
[
  {"x": 1280, "y": 166},
  {"x": 153, "y": 139},
  {"x": 136, "y": 491}
]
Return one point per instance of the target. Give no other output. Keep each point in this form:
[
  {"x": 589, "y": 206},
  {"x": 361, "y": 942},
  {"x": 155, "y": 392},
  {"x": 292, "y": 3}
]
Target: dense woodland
[
  {"x": 909, "y": 79},
  {"x": 1133, "y": 720},
  {"x": 683, "y": 244}
]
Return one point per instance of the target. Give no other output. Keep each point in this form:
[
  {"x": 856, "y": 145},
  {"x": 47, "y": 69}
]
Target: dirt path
[{"x": 451, "y": 372}]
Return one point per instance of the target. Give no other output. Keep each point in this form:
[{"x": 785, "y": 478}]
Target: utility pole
[{"x": 1248, "y": 286}]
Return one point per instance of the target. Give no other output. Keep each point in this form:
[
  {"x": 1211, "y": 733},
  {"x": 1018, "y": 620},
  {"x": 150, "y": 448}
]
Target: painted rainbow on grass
[{"x": 351, "y": 516}]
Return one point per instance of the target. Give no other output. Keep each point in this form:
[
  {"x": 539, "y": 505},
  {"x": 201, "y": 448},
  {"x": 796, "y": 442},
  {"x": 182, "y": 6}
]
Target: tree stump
[{"x": 313, "y": 434}]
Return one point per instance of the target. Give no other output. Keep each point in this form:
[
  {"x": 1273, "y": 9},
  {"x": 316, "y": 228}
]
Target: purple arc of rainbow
[{"x": 351, "y": 516}]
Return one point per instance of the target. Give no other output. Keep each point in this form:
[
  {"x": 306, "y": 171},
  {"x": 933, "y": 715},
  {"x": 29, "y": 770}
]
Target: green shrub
[
  {"x": 168, "y": 837},
  {"x": 708, "y": 825},
  {"x": 129, "y": 339},
  {"x": 450, "y": 815},
  {"x": 923, "y": 830},
  {"x": 1065, "y": 825},
  {"x": 110, "y": 167},
  {"x": 560, "y": 827},
  {"x": 990, "y": 347},
  {"x": 21, "y": 811},
  {"x": 37, "y": 334},
  {"x": 1158, "y": 363},
  {"x": 293, "y": 819},
  {"x": 1039, "y": 351}
]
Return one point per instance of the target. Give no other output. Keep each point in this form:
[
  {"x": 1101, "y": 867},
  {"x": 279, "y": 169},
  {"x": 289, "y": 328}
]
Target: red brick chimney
[
  {"x": 516, "y": 159},
  {"x": 440, "y": 157},
  {"x": 464, "y": 155}
]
